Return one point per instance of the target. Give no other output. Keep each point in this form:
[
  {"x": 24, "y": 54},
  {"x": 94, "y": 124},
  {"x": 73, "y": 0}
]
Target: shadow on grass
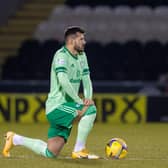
[{"x": 95, "y": 162}]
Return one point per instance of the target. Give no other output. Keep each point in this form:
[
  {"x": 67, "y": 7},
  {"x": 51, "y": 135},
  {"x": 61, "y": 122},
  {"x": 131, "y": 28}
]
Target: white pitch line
[
  {"x": 69, "y": 158},
  {"x": 146, "y": 159}
]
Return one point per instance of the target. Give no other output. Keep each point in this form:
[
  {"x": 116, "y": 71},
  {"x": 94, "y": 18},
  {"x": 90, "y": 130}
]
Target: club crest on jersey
[
  {"x": 82, "y": 63},
  {"x": 72, "y": 66}
]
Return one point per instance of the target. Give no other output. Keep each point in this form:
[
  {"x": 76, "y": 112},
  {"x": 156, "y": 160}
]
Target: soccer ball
[{"x": 116, "y": 148}]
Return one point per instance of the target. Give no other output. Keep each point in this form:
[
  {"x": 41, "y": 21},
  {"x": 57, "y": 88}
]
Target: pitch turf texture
[{"x": 147, "y": 145}]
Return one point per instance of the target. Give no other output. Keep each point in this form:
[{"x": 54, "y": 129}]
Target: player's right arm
[
  {"x": 60, "y": 66},
  {"x": 67, "y": 87},
  {"x": 81, "y": 113}
]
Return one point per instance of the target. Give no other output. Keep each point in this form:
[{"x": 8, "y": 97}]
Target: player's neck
[{"x": 71, "y": 50}]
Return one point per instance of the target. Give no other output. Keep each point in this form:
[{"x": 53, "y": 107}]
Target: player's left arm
[
  {"x": 87, "y": 84},
  {"x": 87, "y": 87}
]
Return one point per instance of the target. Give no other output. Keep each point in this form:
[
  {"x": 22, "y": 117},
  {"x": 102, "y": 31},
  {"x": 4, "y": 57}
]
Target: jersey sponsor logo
[{"x": 75, "y": 80}]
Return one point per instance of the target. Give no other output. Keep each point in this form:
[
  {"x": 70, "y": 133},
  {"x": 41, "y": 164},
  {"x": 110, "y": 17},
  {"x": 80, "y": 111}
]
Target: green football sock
[
  {"x": 36, "y": 145},
  {"x": 49, "y": 154},
  {"x": 84, "y": 127}
]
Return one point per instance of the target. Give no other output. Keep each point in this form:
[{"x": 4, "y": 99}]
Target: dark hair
[{"x": 72, "y": 31}]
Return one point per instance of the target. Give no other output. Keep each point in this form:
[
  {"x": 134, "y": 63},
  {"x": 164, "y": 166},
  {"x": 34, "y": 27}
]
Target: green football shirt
[{"x": 75, "y": 67}]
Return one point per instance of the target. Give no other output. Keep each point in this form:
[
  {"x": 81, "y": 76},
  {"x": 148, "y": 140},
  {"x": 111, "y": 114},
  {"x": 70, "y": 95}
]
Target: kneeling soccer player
[{"x": 63, "y": 105}]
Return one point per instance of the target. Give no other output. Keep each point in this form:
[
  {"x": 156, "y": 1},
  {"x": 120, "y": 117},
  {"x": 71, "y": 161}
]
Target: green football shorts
[{"x": 61, "y": 119}]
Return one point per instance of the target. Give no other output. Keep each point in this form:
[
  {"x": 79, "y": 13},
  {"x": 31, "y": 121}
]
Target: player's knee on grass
[
  {"x": 54, "y": 146},
  {"x": 49, "y": 154}
]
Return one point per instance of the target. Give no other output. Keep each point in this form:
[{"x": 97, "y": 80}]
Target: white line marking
[{"x": 68, "y": 157}]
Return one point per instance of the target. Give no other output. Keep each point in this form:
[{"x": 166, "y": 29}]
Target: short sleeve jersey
[{"x": 75, "y": 67}]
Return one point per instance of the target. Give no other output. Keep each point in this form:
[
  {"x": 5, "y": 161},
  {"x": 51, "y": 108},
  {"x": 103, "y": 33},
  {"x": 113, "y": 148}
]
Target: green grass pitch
[{"x": 147, "y": 147}]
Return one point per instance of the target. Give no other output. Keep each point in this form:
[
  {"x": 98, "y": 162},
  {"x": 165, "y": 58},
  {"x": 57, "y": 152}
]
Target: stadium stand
[
  {"x": 131, "y": 60},
  {"x": 127, "y": 42},
  {"x": 114, "y": 3},
  {"x": 21, "y": 25},
  {"x": 104, "y": 24}
]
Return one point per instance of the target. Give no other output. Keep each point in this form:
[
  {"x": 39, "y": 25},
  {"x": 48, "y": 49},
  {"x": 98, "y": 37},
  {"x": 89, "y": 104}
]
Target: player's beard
[{"x": 79, "y": 49}]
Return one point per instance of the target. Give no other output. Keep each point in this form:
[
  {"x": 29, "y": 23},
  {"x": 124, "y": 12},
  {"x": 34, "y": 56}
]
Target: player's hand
[
  {"x": 88, "y": 102},
  {"x": 81, "y": 112}
]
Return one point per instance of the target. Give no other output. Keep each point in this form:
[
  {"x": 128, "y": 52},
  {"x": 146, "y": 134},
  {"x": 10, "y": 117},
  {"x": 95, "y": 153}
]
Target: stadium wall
[
  {"x": 8, "y": 8},
  {"x": 122, "y": 106}
]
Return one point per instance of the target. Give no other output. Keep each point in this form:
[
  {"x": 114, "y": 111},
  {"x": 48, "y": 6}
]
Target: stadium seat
[
  {"x": 153, "y": 59},
  {"x": 61, "y": 12},
  {"x": 114, "y": 3},
  {"x": 131, "y": 60}
]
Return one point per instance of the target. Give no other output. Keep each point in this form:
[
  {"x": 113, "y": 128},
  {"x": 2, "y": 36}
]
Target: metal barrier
[
  {"x": 116, "y": 102},
  {"x": 9, "y": 7},
  {"x": 98, "y": 87}
]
